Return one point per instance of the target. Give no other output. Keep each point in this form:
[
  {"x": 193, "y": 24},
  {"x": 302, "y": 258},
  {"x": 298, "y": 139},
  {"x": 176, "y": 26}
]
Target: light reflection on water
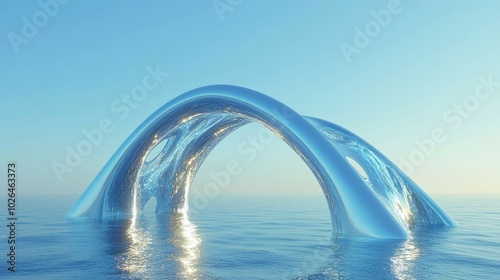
[
  {"x": 134, "y": 260},
  {"x": 355, "y": 258},
  {"x": 169, "y": 243},
  {"x": 403, "y": 261},
  {"x": 264, "y": 239},
  {"x": 188, "y": 240}
]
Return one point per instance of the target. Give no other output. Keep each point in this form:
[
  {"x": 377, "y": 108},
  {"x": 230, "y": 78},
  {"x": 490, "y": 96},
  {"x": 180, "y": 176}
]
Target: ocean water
[{"x": 247, "y": 237}]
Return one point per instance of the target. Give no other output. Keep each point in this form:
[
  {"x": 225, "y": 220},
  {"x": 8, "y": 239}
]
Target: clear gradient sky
[{"x": 393, "y": 72}]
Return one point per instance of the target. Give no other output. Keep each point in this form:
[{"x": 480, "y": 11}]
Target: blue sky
[{"x": 405, "y": 81}]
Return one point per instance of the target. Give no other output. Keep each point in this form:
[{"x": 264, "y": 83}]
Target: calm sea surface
[{"x": 247, "y": 237}]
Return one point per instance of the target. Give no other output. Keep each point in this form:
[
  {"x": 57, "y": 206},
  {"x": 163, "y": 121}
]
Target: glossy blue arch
[{"x": 385, "y": 204}]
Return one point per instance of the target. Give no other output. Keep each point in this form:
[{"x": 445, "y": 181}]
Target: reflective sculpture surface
[{"x": 379, "y": 202}]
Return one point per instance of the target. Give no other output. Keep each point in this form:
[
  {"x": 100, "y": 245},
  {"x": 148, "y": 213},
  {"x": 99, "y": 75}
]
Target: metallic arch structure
[{"x": 385, "y": 204}]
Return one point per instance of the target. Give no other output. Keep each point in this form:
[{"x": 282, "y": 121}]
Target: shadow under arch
[{"x": 386, "y": 204}]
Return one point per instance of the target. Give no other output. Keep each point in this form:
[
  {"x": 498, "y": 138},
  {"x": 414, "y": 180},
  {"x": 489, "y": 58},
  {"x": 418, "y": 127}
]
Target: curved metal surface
[{"x": 386, "y": 204}]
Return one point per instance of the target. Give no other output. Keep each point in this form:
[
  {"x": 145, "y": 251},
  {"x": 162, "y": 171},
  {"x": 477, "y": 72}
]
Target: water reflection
[
  {"x": 354, "y": 258},
  {"x": 169, "y": 247},
  {"x": 160, "y": 247},
  {"x": 134, "y": 260},
  {"x": 403, "y": 261},
  {"x": 187, "y": 239}
]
